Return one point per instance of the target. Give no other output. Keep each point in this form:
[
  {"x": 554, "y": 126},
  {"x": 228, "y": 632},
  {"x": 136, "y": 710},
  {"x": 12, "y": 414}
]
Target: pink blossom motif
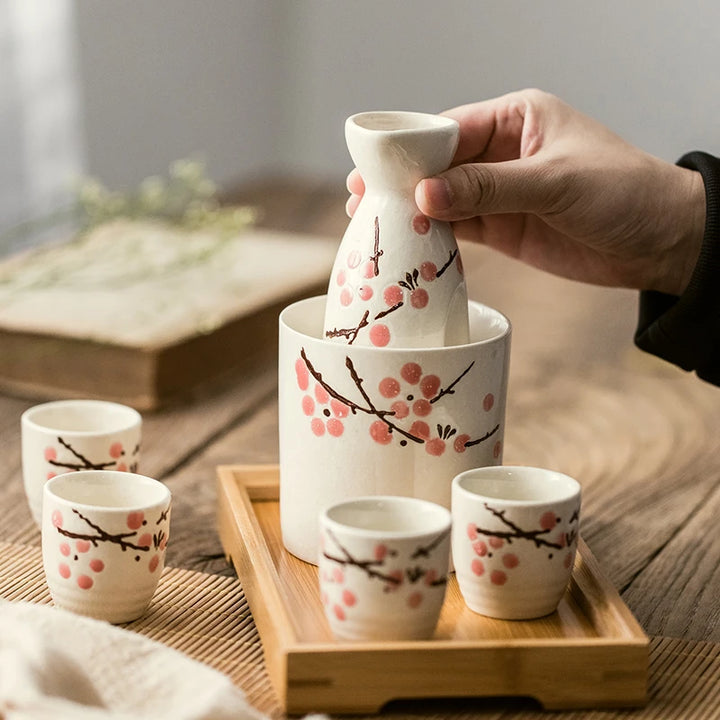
[
  {"x": 50, "y": 453},
  {"x": 477, "y": 567},
  {"x": 335, "y": 428},
  {"x": 348, "y": 597},
  {"x": 64, "y": 549},
  {"x": 429, "y": 386},
  {"x": 496, "y": 542},
  {"x": 369, "y": 270},
  {"x": 480, "y": 548},
  {"x": 510, "y": 560},
  {"x": 472, "y": 532},
  {"x": 318, "y": 427},
  {"x": 308, "y": 405},
  {"x": 422, "y": 407},
  {"x": 488, "y": 402},
  {"x": 421, "y": 224},
  {"x": 302, "y": 373},
  {"x": 392, "y": 295},
  {"x": 338, "y": 575},
  {"x": 400, "y": 409},
  {"x": 82, "y": 546},
  {"x": 145, "y": 540},
  {"x": 57, "y": 518},
  {"x": 116, "y": 450},
  {"x": 64, "y": 570},
  {"x": 339, "y": 409},
  {"x": 121, "y": 467},
  {"x": 339, "y": 612},
  {"x": 346, "y": 297},
  {"x": 419, "y": 298},
  {"x": 379, "y": 335},
  {"x": 380, "y": 433},
  {"x": 381, "y": 552},
  {"x": 498, "y": 577},
  {"x": 497, "y": 449},
  {"x": 154, "y": 562},
  {"x": 431, "y": 577},
  {"x": 548, "y": 520},
  {"x": 411, "y": 373},
  {"x": 51, "y": 475},
  {"x": 414, "y": 600},
  {"x": 97, "y": 565},
  {"x": 428, "y": 271},
  {"x": 341, "y": 278},
  {"x": 135, "y": 519},
  {"x": 365, "y": 292},
  {"x": 435, "y": 447},
  {"x": 460, "y": 443},
  {"x": 389, "y": 387},
  {"x": 420, "y": 429},
  {"x": 84, "y": 582}
]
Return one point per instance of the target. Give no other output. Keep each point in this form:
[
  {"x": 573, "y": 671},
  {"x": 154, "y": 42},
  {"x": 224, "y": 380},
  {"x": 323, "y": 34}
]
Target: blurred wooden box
[{"x": 146, "y": 314}]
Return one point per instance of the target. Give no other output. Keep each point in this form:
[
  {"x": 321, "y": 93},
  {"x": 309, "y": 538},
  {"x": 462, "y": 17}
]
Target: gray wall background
[{"x": 262, "y": 87}]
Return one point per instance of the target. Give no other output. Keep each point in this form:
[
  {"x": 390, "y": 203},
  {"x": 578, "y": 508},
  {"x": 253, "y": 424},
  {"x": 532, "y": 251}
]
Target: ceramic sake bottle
[{"x": 397, "y": 280}]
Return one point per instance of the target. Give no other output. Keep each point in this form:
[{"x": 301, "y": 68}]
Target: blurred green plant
[{"x": 187, "y": 198}]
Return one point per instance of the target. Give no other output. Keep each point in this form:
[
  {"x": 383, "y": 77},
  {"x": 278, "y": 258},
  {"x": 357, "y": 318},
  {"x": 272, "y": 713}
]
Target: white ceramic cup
[
  {"x": 514, "y": 538},
  {"x": 383, "y": 567},
  {"x": 357, "y": 420},
  {"x": 69, "y": 435},
  {"x": 104, "y": 535}
]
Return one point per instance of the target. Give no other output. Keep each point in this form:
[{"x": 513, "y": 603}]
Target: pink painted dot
[
  {"x": 411, "y": 373},
  {"x": 121, "y": 467},
  {"x": 428, "y": 271},
  {"x": 317, "y": 426},
  {"x": 153, "y": 564},
  {"x": 379, "y": 335},
  {"x": 145, "y": 540},
  {"x": 116, "y": 450},
  {"x": 64, "y": 549},
  {"x": 369, "y": 270},
  {"x": 135, "y": 519},
  {"x": 321, "y": 394},
  {"x": 340, "y": 278},
  {"x": 392, "y": 295},
  {"x": 471, "y": 531},
  {"x": 348, "y": 597},
  {"x": 480, "y": 548},
  {"x": 324, "y": 598},
  {"x": 64, "y": 570},
  {"x": 498, "y": 577},
  {"x": 339, "y": 409},
  {"x": 50, "y": 453},
  {"x": 421, "y": 224},
  {"x": 365, "y": 292},
  {"x": 401, "y": 409},
  {"x": 84, "y": 582},
  {"x": 420, "y": 429},
  {"x": 308, "y": 405},
  {"x": 82, "y": 546},
  {"x": 57, "y": 518},
  {"x": 496, "y": 542},
  {"x": 561, "y": 539},
  {"x": 430, "y": 577},
  {"x": 335, "y": 427},
  {"x": 510, "y": 560},
  {"x": 380, "y": 433},
  {"x": 419, "y": 298},
  {"x": 346, "y": 296},
  {"x": 163, "y": 542},
  {"x": 429, "y": 386},
  {"x": 396, "y": 582},
  {"x": 497, "y": 449},
  {"x": 548, "y": 520},
  {"x": 435, "y": 447},
  {"x": 459, "y": 443},
  {"x": 51, "y": 475},
  {"x": 380, "y": 551},
  {"x": 389, "y": 387},
  {"x": 353, "y": 259},
  {"x": 338, "y": 575},
  {"x": 414, "y": 599},
  {"x": 488, "y": 402},
  {"x": 302, "y": 373},
  {"x": 339, "y": 612},
  {"x": 567, "y": 562},
  {"x": 422, "y": 407},
  {"x": 97, "y": 565},
  {"x": 477, "y": 567}
]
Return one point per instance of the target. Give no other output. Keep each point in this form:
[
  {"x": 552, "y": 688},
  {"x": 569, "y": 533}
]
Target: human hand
[{"x": 543, "y": 183}]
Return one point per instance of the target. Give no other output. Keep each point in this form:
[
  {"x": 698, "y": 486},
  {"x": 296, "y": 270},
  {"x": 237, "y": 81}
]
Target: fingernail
[{"x": 437, "y": 193}]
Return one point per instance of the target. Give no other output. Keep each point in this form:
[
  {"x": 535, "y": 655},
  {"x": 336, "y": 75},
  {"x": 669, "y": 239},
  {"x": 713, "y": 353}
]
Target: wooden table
[{"x": 640, "y": 435}]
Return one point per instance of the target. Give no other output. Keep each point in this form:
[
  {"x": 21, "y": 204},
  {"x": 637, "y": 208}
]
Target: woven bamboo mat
[{"x": 207, "y": 617}]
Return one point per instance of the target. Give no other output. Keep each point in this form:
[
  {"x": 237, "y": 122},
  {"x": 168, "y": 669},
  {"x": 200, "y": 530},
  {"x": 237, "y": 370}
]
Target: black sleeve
[{"x": 685, "y": 330}]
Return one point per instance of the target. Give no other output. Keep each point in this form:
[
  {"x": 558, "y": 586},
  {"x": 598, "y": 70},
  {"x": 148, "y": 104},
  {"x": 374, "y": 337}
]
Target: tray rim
[{"x": 241, "y": 486}]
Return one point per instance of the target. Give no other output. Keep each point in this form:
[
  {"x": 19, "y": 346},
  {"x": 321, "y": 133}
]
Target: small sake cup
[
  {"x": 104, "y": 535},
  {"x": 514, "y": 538},
  {"x": 68, "y": 435},
  {"x": 383, "y": 567}
]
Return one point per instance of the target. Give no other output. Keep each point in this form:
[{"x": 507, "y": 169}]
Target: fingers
[{"x": 474, "y": 189}]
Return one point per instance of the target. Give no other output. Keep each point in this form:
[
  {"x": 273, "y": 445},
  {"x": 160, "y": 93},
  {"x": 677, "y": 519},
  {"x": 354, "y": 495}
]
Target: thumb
[{"x": 473, "y": 189}]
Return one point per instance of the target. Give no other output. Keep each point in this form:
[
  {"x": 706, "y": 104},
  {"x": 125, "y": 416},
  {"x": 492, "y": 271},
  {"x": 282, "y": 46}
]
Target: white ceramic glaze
[
  {"x": 104, "y": 535},
  {"x": 69, "y": 435},
  {"x": 383, "y": 567},
  {"x": 357, "y": 420},
  {"x": 514, "y": 539},
  {"x": 397, "y": 279}
]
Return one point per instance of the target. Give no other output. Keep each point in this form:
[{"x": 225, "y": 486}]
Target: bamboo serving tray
[{"x": 590, "y": 653}]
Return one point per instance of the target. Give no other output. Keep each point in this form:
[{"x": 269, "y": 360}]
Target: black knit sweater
[{"x": 685, "y": 330}]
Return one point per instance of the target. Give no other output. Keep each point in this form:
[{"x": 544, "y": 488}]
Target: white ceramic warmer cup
[
  {"x": 104, "y": 535},
  {"x": 514, "y": 537},
  {"x": 69, "y": 435},
  {"x": 383, "y": 567},
  {"x": 357, "y": 421}
]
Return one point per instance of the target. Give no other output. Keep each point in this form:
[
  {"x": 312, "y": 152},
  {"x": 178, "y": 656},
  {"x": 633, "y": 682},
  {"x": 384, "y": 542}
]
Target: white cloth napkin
[{"x": 60, "y": 666}]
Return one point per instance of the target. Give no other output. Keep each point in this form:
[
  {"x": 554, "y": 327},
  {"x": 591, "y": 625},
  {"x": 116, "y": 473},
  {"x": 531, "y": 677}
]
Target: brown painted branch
[
  {"x": 350, "y": 333},
  {"x": 485, "y": 437},
  {"x": 102, "y": 536},
  {"x": 86, "y": 464},
  {"x": 449, "y": 390},
  {"x": 377, "y": 252},
  {"x": 453, "y": 255},
  {"x": 517, "y": 532},
  {"x": 385, "y": 313},
  {"x": 425, "y": 550},
  {"x": 367, "y": 566}
]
